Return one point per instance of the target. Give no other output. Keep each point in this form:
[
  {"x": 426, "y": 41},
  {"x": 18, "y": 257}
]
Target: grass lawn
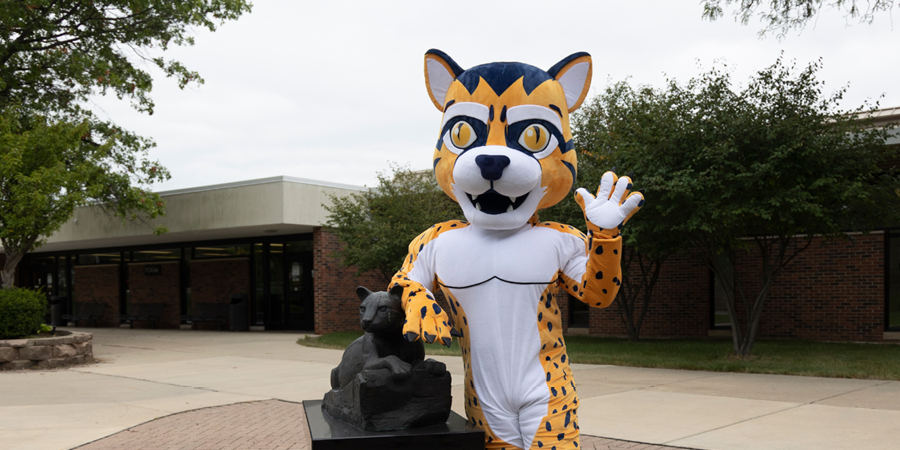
[{"x": 787, "y": 357}]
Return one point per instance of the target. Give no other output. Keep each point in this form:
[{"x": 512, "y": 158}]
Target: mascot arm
[
  {"x": 424, "y": 317},
  {"x": 605, "y": 215}
]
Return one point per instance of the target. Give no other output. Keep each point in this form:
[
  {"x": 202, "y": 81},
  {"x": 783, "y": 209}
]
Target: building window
[
  {"x": 892, "y": 306},
  {"x": 99, "y": 258},
  {"x": 221, "y": 251},
  {"x": 579, "y": 313},
  {"x": 173, "y": 255}
]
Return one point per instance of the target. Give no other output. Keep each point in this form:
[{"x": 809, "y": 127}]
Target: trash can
[
  {"x": 57, "y": 309},
  {"x": 237, "y": 313}
]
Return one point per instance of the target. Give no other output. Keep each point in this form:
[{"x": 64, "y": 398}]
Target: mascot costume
[{"x": 505, "y": 151}]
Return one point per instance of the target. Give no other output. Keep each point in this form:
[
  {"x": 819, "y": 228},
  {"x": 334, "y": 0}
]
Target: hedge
[{"x": 21, "y": 312}]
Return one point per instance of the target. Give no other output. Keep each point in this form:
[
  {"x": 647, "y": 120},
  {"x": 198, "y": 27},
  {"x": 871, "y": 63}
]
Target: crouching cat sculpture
[{"x": 383, "y": 381}]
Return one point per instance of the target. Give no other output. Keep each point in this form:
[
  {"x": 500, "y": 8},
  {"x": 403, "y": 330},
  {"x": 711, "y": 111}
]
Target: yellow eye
[
  {"x": 462, "y": 135},
  {"x": 534, "y": 138}
]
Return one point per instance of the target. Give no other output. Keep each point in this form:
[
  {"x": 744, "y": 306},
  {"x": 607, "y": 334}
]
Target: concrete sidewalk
[{"x": 147, "y": 374}]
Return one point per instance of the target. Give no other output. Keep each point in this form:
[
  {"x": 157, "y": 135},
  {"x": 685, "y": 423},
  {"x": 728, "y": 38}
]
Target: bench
[
  {"x": 144, "y": 312},
  {"x": 208, "y": 312},
  {"x": 86, "y": 311}
]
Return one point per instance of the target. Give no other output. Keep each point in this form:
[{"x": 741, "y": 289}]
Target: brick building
[{"x": 261, "y": 239}]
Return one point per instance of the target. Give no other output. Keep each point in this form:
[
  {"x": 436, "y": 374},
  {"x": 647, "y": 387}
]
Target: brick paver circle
[{"x": 262, "y": 425}]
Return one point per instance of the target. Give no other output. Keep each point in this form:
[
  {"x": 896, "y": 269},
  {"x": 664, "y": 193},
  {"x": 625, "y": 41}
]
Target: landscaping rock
[
  {"x": 36, "y": 353},
  {"x": 17, "y": 365},
  {"x": 63, "y": 351},
  {"x": 8, "y": 354},
  {"x": 20, "y": 343},
  {"x": 83, "y": 348},
  {"x": 82, "y": 337},
  {"x": 54, "y": 341}
]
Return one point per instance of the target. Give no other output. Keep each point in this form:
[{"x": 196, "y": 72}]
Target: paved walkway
[
  {"x": 152, "y": 374},
  {"x": 263, "y": 425}
]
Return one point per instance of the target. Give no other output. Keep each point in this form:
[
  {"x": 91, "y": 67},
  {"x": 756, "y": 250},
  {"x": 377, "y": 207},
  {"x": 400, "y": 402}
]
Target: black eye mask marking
[
  {"x": 481, "y": 131},
  {"x": 515, "y": 130}
]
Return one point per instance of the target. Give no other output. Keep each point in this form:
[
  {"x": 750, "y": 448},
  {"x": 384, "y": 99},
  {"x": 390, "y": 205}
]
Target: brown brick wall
[
  {"x": 99, "y": 284},
  {"x": 162, "y": 288},
  {"x": 679, "y": 308},
  {"x": 832, "y": 291},
  {"x": 336, "y": 303}
]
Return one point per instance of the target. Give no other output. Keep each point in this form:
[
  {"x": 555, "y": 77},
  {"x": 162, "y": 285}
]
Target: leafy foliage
[
  {"x": 54, "y": 154},
  {"x": 754, "y": 173},
  {"x": 781, "y": 16},
  {"x": 377, "y": 225},
  {"x": 21, "y": 312}
]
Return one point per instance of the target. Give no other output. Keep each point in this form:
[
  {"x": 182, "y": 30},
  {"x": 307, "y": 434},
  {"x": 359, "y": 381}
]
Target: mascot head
[{"x": 505, "y": 148}]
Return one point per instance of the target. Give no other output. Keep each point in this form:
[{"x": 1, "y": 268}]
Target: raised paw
[{"x": 612, "y": 206}]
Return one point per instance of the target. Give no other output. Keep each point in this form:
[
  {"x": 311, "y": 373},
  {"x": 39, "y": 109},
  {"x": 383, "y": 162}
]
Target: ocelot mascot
[{"x": 504, "y": 152}]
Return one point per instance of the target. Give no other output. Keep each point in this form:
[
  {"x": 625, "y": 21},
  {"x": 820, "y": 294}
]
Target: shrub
[{"x": 21, "y": 312}]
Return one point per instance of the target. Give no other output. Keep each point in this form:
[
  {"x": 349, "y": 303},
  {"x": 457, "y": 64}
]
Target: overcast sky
[{"x": 334, "y": 90}]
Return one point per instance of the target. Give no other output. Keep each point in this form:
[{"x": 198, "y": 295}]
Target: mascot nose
[{"x": 491, "y": 166}]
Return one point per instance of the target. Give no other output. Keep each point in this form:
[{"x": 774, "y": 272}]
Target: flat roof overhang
[{"x": 262, "y": 207}]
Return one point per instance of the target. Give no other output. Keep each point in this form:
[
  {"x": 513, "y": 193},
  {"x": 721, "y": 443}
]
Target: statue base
[
  {"x": 374, "y": 401},
  {"x": 328, "y": 433}
]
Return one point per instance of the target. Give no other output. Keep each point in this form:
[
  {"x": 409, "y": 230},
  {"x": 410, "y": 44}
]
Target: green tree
[
  {"x": 377, "y": 225},
  {"x": 755, "y": 174},
  {"x": 606, "y": 129},
  {"x": 781, "y": 16},
  {"x": 55, "y": 154}
]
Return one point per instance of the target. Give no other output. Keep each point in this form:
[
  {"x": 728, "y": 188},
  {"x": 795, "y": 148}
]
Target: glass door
[{"x": 299, "y": 295}]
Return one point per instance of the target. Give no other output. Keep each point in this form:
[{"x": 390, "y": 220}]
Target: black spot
[
  {"x": 452, "y": 225},
  {"x": 540, "y": 316},
  {"x": 547, "y": 358},
  {"x": 599, "y": 275},
  {"x": 412, "y": 294},
  {"x": 435, "y": 307},
  {"x": 475, "y": 401},
  {"x": 549, "y": 297},
  {"x": 549, "y": 326},
  {"x": 553, "y": 391},
  {"x": 556, "y": 365},
  {"x": 605, "y": 292},
  {"x": 438, "y": 146},
  {"x": 541, "y": 444},
  {"x": 491, "y": 114},
  {"x": 575, "y": 288},
  {"x": 563, "y": 359},
  {"x": 424, "y": 311},
  {"x": 490, "y": 439},
  {"x": 503, "y": 114},
  {"x": 472, "y": 383},
  {"x": 568, "y": 418},
  {"x": 547, "y": 426},
  {"x": 615, "y": 251},
  {"x": 429, "y": 297},
  {"x": 564, "y": 390},
  {"x": 548, "y": 380},
  {"x": 421, "y": 246},
  {"x": 448, "y": 104},
  {"x": 439, "y": 229},
  {"x": 465, "y": 321}
]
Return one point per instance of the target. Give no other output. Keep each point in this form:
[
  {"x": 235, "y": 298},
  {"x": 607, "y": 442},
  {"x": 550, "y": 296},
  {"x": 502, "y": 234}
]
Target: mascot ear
[
  {"x": 574, "y": 74},
  {"x": 440, "y": 71}
]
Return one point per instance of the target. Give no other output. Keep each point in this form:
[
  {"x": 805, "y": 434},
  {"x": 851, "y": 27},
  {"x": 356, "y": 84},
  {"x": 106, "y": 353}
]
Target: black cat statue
[{"x": 384, "y": 381}]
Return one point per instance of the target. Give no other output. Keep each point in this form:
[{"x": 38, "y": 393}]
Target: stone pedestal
[
  {"x": 374, "y": 401},
  {"x": 328, "y": 433}
]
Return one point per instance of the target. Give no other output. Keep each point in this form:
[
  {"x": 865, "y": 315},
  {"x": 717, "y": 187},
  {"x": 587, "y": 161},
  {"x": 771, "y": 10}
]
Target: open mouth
[{"x": 492, "y": 202}]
